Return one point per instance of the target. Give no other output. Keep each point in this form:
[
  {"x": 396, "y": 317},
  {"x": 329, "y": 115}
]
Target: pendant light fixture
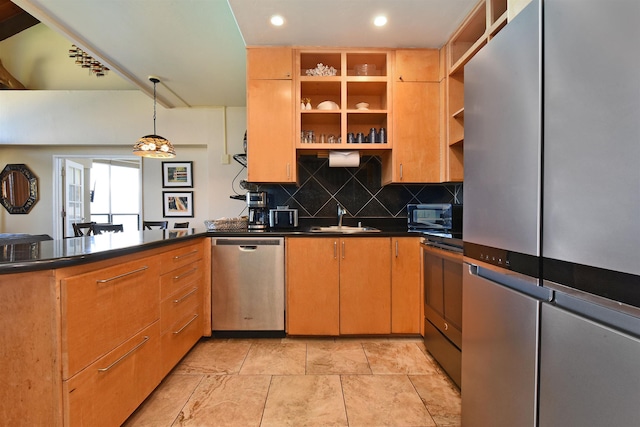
[{"x": 154, "y": 145}]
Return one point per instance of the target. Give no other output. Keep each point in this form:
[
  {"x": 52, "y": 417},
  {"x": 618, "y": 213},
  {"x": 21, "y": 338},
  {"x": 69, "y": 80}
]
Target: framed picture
[
  {"x": 177, "y": 204},
  {"x": 177, "y": 174}
]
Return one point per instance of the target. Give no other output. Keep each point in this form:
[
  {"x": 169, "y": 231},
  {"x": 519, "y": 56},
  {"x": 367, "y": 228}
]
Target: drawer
[
  {"x": 180, "y": 257},
  {"x": 104, "y": 308},
  {"x": 110, "y": 389},
  {"x": 179, "y": 305},
  {"x": 179, "y": 339},
  {"x": 444, "y": 351},
  {"x": 171, "y": 282}
]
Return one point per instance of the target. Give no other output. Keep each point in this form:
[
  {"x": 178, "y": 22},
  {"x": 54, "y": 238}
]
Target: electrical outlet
[{"x": 225, "y": 159}]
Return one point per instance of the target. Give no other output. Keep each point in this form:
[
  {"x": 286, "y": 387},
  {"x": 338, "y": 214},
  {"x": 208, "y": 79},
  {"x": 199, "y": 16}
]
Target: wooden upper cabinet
[
  {"x": 270, "y": 63},
  {"x": 417, "y": 65},
  {"x": 416, "y": 127},
  {"x": 270, "y": 127}
]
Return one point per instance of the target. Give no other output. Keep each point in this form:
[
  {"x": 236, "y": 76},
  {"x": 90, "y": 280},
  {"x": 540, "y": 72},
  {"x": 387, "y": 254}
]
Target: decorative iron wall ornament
[{"x": 19, "y": 188}]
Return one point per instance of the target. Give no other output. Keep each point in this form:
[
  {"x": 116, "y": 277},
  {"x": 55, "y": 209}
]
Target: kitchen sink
[{"x": 344, "y": 229}]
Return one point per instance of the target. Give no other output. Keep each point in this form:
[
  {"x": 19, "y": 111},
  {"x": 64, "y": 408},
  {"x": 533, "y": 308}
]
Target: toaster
[{"x": 283, "y": 217}]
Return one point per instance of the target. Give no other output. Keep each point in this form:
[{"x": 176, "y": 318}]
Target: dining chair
[
  {"x": 82, "y": 228},
  {"x": 181, "y": 225},
  {"x": 149, "y": 225},
  {"x": 100, "y": 228}
]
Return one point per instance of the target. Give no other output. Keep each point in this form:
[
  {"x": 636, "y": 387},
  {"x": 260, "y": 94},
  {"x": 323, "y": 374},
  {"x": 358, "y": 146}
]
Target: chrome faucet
[{"x": 341, "y": 212}]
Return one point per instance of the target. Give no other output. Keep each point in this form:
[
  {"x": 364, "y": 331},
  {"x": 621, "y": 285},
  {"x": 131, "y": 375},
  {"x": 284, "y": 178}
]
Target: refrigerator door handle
[{"x": 515, "y": 281}]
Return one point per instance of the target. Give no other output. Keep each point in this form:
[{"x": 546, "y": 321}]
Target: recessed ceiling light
[
  {"x": 380, "y": 21},
  {"x": 277, "y": 20}
]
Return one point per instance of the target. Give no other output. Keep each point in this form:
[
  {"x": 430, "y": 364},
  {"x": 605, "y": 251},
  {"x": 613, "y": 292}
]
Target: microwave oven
[{"x": 435, "y": 217}]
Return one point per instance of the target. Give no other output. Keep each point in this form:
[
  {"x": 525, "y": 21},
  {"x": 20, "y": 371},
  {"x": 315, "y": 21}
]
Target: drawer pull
[
  {"x": 185, "y": 255},
  {"x": 195, "y": 316},
  {"x": 184, "y": 297},
  {"x": 124, "y": 356},
  {"x": 186, "y": 273},
  {"x": 120, "y": 276}
]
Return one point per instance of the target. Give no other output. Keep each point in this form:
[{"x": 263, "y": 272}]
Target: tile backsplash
[{"x": 359, "y": 190}]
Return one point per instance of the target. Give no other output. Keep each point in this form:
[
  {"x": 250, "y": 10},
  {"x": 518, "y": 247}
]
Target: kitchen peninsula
[{"x": 91, "y": 325}]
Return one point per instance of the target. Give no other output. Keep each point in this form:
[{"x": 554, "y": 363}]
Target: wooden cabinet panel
[
  {"x": 416, "y": 151},
  {"x": 180, "y": 257},
  {"x": 313, "y": 297},
  {"x": 270, "y": 143},
  {"x": 365, "y": 277},
  {"x": 103, "y": 308},
  {"x": 172, "y": 281},
  {"x": 183, "y": 303},
  {"x": 111, "y": 388},
  {"x": 30, "y": 393},
  {"x": 405, "y": 286},
  {"x": 269, "y": 63},
  {"x": 180, "y": 338},
  {"x": 417, "y": 65}
]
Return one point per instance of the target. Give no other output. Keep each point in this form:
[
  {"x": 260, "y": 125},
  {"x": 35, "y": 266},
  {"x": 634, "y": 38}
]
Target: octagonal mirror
[{"x": 19, "y": 188}]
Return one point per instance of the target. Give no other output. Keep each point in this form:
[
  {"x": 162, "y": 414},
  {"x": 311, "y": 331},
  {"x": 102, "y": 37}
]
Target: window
[{"x": 115, "y": 193}]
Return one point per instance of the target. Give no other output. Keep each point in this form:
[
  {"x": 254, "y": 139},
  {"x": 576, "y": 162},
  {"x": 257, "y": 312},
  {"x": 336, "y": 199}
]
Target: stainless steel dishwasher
[{"x": 247, "y": 297}]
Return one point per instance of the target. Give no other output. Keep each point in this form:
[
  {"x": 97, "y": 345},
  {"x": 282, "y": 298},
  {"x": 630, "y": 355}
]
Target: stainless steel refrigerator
[{"x": 551, "y": 290}]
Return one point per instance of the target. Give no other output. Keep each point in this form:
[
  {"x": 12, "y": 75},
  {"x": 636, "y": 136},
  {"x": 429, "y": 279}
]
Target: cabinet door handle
[
  {"x": 400, "y": 170},
  {"x": 186, "y": 273},
  {"x": 120, "y": 276},
  {"x": 195, "y": 316},
  {"x": 185, "y": 255},
  {"x": 288, "y": 170},
  {"x": 396, "y": 249},
  {"x": 184, "y": 297},
  {"x": 124, "y": 356},
  {"x": 400, "y": 78},
  {"x": 335, "y": 249},
  {"x": 343, "y": 249},
  {"x": 446, "y": 326}
]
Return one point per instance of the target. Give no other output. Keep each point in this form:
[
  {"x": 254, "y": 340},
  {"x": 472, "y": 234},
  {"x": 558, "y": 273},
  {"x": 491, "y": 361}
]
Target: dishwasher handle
[{"x": 247, "y": 248}]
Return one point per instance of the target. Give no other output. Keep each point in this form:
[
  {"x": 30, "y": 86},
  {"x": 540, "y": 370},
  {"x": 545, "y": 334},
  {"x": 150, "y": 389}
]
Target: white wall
[{"x": 37, "y": 125}]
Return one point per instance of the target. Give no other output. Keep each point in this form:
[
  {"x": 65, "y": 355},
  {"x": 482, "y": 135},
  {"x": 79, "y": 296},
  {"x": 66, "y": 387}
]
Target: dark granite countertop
[{"x": 51, "y": 254}]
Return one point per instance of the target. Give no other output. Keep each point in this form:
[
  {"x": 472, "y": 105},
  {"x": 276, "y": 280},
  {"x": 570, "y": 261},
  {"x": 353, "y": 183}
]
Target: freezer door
[
  {"x": 589, "y": 372},
  {"x": 591, "y": 133},
  {"x": 502, "y": 142},
  {"x": 500, "y": 349}
]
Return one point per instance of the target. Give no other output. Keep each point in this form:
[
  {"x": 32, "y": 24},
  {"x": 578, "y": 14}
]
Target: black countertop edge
[{"x": 52, "y": 254}]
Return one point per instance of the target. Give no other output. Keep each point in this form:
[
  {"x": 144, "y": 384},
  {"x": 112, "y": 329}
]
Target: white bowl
[
  {"x": 362, "y": 106},
  {"x": 328, "y": 105}
]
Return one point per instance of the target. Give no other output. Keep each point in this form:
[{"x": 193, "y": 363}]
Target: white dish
[
  {"x": 362, "y": 106},
  {"x": 328, "y": 105}
]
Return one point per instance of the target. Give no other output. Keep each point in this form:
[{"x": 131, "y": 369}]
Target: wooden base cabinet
[
  {"x": 110, "y": 389},
  {"x": 313, "y": 286},
  {"x": 85, "y": 345},
  {"x": 181, "y": 305},
  {"x": 338, "y": 286},
  {"x": 406, "y": 294},
  {"x": 365, "y": 286}
]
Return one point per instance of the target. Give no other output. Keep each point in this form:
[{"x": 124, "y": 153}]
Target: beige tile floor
[{"x": 304, "y": 382}]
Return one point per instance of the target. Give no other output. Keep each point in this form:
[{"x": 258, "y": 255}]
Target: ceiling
[{"x": 197, "y": 47}]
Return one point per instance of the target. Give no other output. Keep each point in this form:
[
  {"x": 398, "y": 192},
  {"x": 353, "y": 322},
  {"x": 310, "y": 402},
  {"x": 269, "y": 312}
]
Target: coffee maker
[{"x": 258, "y": 210}]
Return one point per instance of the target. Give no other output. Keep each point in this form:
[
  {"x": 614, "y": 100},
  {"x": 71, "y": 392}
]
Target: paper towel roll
[{"x": 344, "y": 159}]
